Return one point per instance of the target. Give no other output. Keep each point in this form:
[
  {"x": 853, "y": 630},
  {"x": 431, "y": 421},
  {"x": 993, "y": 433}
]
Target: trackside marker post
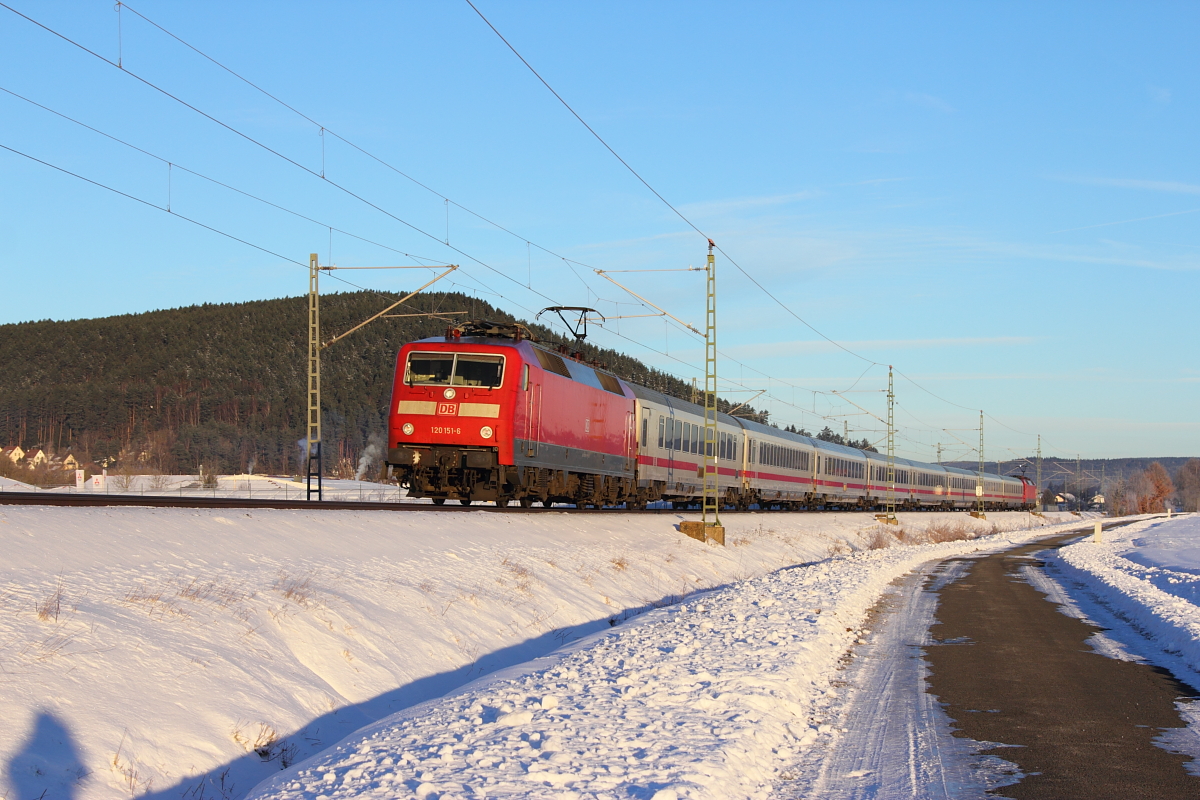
[{"x": 1099, "y": 530}]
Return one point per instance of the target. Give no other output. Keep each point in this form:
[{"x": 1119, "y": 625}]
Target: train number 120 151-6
[{"x": 447, "y": 429}]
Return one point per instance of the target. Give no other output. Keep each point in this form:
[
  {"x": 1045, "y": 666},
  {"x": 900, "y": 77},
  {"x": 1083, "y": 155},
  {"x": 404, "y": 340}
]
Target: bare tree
[
  {"x": 1158, "y": 491},
  {"x": 1187, "y": 485},
  {"x": 1145, "y": 492}
]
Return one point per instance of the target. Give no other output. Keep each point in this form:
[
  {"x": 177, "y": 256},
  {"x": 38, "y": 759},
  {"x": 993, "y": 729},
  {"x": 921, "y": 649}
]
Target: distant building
[
  {"x": 13, "y": 453},
  {"x": 35, "y": 457},
  {"x": 70, "y": 463}
]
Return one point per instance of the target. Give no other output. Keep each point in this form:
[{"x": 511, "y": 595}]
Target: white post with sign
[{"x": 79, "y": 479}]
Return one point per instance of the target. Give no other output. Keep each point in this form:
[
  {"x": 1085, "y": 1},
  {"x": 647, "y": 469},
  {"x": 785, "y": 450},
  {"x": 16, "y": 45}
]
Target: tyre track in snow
[{"x": 891, "y": 738}]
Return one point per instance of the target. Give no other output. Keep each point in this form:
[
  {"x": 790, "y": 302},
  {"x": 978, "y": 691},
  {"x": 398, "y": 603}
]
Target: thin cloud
[
  {"x": 716, "y": 207},
  {"x": 1125, "y": 221},
  {"x": 873, "y": 181},
  {"x": 928, "y": 101},
  {"x": 1174, "y": 187},
  {"x": 808, "y": 347}
]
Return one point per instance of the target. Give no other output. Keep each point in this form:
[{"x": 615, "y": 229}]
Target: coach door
[
  {"x": 672, "y": 435},
  {"x": 533, "y": 414},
  {"x": 631, "y": 440}
]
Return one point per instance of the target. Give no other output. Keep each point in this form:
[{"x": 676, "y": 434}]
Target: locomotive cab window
[
  {"x": 429, "y": 368},
  {"x": 455, "y": 369},
  {"x": 478, "y": 370}
]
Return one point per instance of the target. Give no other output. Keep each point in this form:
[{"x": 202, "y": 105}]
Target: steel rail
[{"x": 168, "y": 501}]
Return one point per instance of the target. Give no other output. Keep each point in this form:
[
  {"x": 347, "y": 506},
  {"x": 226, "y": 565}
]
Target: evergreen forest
[{"x": 223, "y": 385}]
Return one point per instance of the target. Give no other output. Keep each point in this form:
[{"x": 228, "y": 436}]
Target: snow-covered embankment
[
  {"x": 1147, "y": 574},
  {"x": 162, "y": 651}
]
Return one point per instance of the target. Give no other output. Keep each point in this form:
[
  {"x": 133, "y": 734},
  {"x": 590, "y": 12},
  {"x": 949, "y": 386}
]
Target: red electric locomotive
[{"x": 484, "y": 414}]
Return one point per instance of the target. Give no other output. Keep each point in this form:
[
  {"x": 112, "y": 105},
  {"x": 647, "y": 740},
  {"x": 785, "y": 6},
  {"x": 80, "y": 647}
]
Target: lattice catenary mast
[
  {"x": 979, "y": 480},
  {"x": 712, "y": 497},
  {"x": 315, "y": 346},
  {"x": 313, "y": 450},
  {"x": 890, "y": 508}
]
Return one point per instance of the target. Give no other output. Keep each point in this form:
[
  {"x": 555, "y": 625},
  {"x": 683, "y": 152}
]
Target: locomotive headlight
[
  {"x": 486, "y": 431},
  {"x": 449, "y": 393},
  {"x": 407, "y": 428}
]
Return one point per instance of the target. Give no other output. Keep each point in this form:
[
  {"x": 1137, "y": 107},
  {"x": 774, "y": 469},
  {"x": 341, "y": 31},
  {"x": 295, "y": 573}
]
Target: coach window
[
  {"x": 661, "y": 425},
  {"x": 645, "y": 430},
  {"x": 678, "y": 435}
]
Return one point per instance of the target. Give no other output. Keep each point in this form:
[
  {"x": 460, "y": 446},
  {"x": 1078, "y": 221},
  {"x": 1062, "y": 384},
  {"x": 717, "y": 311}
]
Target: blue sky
[{"x": 1000, "y": 199}]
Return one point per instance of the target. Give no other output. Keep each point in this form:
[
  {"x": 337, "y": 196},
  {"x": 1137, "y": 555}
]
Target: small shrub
[
  {"x": 948, "y": 531},
  {"x": 299, "y": 590},
  {"x": 879, "y": 539},
  {"x": 261, "y": 739},
  {"x": 620, "y": 563},
  {"x": 50, "y": 606}
]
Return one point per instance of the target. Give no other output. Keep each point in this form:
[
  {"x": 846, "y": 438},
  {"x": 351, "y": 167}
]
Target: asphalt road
[{"x": 1011, "y": 669}]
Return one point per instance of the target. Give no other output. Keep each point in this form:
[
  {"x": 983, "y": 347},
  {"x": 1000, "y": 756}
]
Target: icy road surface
[{"x": 713, "y": 698}]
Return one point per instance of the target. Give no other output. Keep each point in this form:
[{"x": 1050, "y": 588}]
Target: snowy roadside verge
[
  {"x": 1147, "y": 574},
  {"x": 158, "y": 652},
  {"x": 708, "y": 699}
]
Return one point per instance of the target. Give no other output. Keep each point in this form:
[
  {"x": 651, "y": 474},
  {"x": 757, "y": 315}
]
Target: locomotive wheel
[
  {"x": 526, "y": 501},
  {"x": 439, "y": 501},
  {"x": 501, "y": 502},
  {"x": 466, "y": 501}
]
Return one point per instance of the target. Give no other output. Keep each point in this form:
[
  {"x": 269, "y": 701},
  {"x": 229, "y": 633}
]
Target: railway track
[{"x": 167, "y": 501}]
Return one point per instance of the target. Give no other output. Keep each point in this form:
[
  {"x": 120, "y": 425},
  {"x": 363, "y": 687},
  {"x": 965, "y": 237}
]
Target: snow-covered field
[
  {"x": 179, "y": 652},
  {"x": 256, "y": 487}
]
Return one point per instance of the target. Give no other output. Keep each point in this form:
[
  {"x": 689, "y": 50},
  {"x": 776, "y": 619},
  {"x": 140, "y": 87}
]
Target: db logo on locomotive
[{"x": 447, "y": 409}]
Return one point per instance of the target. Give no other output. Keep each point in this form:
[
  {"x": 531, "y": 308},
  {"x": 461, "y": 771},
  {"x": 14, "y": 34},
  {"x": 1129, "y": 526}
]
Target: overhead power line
[
  {"x": 151, "y": 205},
  {"x": 323, "y": 129},
  {"x": 274, "y": 152},
  {"x": 657, "y": 194},
  {"x": 384, "y": 163},
  {"x": 685, "y": 219}
]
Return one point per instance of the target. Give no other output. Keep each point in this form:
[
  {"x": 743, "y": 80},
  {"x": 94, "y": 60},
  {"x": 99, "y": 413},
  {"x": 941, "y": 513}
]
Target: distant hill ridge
[
  {"x": 224, "y": 384},
  {"x": 1063, "y": 473}
]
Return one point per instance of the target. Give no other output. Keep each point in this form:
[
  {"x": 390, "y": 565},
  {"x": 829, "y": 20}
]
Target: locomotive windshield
[{"x": 455, "y": 369}]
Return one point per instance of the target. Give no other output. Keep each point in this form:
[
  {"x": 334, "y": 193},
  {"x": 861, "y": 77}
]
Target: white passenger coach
[{"x": 761, "y": 465}]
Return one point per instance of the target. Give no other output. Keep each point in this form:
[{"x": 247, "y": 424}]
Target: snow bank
[
  {"x": 163, "y": 651},
  {"x": 1148, "y": 574},
  {"x": 707, "y": 699},
  {"x": 10, "y": 485}
]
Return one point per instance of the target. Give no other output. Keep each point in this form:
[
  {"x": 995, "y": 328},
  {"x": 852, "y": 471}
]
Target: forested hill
[{"x": 223, "y": 385}]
